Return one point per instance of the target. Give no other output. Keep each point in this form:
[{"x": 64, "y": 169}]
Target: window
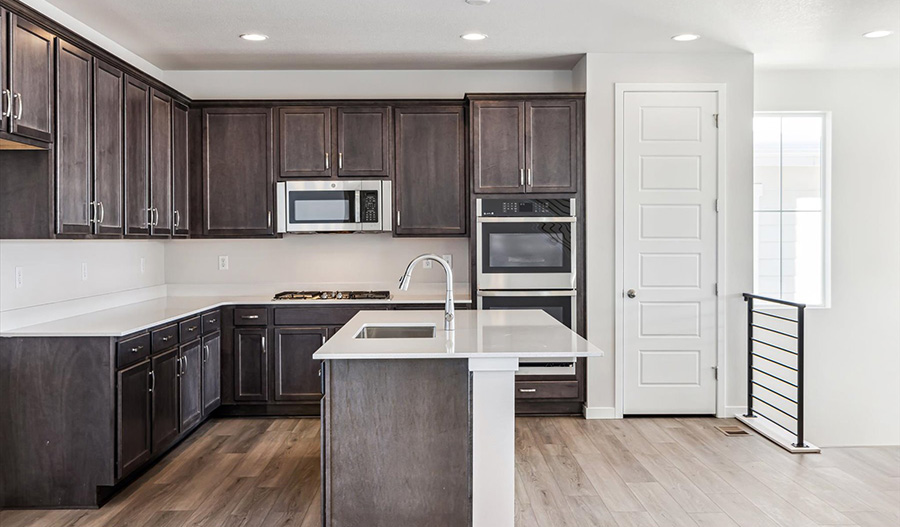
[{"x": 790, "y": 206}]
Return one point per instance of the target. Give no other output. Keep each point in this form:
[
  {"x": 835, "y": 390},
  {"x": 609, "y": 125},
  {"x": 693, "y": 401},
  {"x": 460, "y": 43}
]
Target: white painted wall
[
  {"x": 853, "y": 347},
  {"x": 601, "y": 72}
]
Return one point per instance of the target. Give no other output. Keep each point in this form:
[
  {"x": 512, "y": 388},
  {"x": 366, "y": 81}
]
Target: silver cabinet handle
[
  {"x": 212, "y": 321},
  {"x": 152, "y": 381},
  {"x": 8, "y": 96},
  {"x": 93, "y": 205},
  {"x": 206, "y": 353},
  {"x": 136, "y": 349},
  {"x": 177, "y": 217},
  {"x": 184, "y": 364},
  {"x": 192, "y": 328},
  {"x": 249, "y": 317},
  {"x": 530, "y": 179},
  {"x": 18, "y": 97},
  {"x": 340, "y": 160},
  {"x": 327, "y": 161},
  {"x": 527, "y": 390},
  {"x": 323, "y": 340},
  {"x": 521, "y": 177},
  {"x": 155, "y": 216},
  {"x": 264, "y": 344},
  {"x": 102, "y": 212},
  {"x": 178, "y": 369},
  {"x": 269, "y": 218},
  {"x": 398, "y": 218},
  {"x": 149, "y": 217},
  {"x": 166, "y": 338}
]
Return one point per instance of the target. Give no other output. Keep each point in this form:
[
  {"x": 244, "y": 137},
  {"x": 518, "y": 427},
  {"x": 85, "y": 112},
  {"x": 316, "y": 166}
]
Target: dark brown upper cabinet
[
  {"x": 138, "y": 217},
  {"x": 5, "y": 94},
  {"x": 75, "y": 210},
  {"x": 364, "y": 141},
  {"x": 296, "y": 372},
  {"x": 238, "y": 184},
  {"x": 305, "y": 142},
  {"x": 107, "y": 144},
  {"x": 430, "y": 185},
  {"x": 180, "y": 171},
  {"x": 532, "y": 145},
  {"x": 29, "y": 101},
  {"x": 160, "y": 203}
]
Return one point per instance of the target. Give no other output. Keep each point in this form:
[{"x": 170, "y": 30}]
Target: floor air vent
[{"x": 732, "y": 430}]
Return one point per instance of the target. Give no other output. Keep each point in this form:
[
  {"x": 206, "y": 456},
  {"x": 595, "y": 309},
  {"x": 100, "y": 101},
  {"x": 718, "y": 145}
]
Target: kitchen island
[{"x": 418, "y": 423}]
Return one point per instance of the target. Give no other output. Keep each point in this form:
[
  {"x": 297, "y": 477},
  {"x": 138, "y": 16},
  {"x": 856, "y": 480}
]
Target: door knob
[{"x": 630, "y": 293}]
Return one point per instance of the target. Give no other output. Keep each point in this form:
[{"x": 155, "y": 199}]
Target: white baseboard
[
  {"x": 733, "y": 411},
  {"x": 599, "y": 412},
  {"x": 778, "y": 436}
]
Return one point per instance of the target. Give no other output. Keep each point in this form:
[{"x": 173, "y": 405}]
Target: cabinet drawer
[
  {"x": 547, "y": 390},
  {"x": 319, "y": 315},
  {"x": 211, "y": 321},
  {"x": 189, "y": 329},
  {"x": 250, "y": 316},
  {"x": 164, "y": 338},
  {"x": 132, "y": 350}
]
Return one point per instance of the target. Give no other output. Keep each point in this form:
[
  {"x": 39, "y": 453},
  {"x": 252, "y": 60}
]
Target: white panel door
[{"x": 670, "y": 169}]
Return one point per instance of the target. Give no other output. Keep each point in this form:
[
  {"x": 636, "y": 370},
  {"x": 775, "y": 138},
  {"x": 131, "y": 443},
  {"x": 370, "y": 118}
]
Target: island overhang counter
[{"x": 418, "y": 423}]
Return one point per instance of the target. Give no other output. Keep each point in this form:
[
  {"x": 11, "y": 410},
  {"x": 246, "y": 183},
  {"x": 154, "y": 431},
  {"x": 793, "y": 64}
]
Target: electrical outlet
[
  {"x": 84, "y": 274},
  {"x": 223, "y": 263},
  {"x": 427, "y": 264},
  {"x": 449, "y": 258},
  {"x": 143, "y": 266},
  {"x": 20, "y": 278}
]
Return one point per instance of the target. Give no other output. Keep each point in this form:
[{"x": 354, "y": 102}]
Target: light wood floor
[{"x": 569, "y": 472}]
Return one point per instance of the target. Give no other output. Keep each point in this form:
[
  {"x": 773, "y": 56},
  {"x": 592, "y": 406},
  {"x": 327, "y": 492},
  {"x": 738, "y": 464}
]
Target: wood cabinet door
[
  {"x": 296, "y": 372},
  {"x": 137, "y": 161},
  {"x": 160, "y": 164},
  {"x": 133, "y": 395},
  {"x": 190, "y": 381},
  {"x": 251, "y": 371},
  {"x": 5, "y": 94},
  {"x": 108, "y": 140},
  {"x": 429, "y": 179},
  {"x": 364, "y": 141},
  {"x": 212, "y": 372},
  {"x": 75, "y": 211},
  {"x": 238, "y": 184},
  {"x": 552, "y": 148},
  {"x": 31, "y": 79},
  {"x": 165, "y": 407},
  {"x": 498, "y": 146},
  {"x": 305, "y": 142},
  {"x": 180, "y": 171}
]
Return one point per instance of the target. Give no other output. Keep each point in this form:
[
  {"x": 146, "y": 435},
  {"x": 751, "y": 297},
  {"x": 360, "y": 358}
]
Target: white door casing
[{"x": 669, "y": 151}]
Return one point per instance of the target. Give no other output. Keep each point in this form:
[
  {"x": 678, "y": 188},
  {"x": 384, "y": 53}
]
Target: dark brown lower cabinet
[
  {"x": 165, "y": 406},
  {"x": 190, "y": 375},
  {"x": 250, "y": 365},
  {"x": 211, "y": 386},
  {"x": 296, "y": 372},
  {"x": 133, "y": 431}
]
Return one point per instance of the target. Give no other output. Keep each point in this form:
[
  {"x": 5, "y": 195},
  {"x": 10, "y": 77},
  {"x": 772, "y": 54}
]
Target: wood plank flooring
[{"x": 654, "y": 472}]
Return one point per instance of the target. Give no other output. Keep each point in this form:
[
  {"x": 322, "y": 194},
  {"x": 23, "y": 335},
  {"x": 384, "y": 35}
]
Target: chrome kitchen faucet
[{"x": 449, "y": 313}]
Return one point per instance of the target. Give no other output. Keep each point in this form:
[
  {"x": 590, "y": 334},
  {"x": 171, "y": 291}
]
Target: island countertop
[{"x": 478, "y": 334}]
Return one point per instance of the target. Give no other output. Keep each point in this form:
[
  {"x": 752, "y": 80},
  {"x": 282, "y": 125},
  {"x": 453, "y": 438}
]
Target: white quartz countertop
[
  {"x": 139, "y": 316},
  {"x": 478, "y": 334}
]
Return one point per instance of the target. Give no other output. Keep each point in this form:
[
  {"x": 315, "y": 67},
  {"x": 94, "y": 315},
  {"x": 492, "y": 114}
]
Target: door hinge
[
  {"x": 716, "y": 118},
  {"x": 715, "y": 372},
  {"x": 717, "y": 205},
  {"x": 717, "y": 288}
]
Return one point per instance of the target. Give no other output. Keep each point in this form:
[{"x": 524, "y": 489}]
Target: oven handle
[
  {"x": 561, "y": 292},
  {"x": 565, "y": 219}
]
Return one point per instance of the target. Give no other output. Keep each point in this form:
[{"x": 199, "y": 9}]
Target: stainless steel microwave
[{"x": 334, "y": 206}]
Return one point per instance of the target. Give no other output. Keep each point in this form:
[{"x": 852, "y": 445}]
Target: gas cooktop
[{"x": 333, "y": 295}]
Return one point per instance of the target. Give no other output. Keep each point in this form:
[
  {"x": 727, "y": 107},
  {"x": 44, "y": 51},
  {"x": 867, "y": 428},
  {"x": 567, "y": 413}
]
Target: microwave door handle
[{"x": 356, "y": 208}]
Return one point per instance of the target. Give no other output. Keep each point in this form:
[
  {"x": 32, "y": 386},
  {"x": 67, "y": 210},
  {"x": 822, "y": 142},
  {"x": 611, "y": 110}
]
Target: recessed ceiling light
[
  {"x": 254, "y": 37},
  {"x": 687, "y": 37},
  {"x": 478, "y": 2},
  {"x": 473, "y": 36},
  {"x": 878, "y": 33}
]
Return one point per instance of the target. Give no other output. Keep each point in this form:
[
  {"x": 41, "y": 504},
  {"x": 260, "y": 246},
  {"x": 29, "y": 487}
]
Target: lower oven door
[{"x": 558, "y": 304}]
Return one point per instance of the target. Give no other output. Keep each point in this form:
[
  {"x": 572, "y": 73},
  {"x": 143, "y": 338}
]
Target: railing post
[
  {"x": 800, "y": 338},
  {"x": 749, "y": 301}
]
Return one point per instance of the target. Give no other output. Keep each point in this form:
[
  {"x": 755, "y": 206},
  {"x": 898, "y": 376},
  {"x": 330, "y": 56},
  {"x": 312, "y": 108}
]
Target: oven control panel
[
  {"x": 521, "y": 208},
  {"x": 368, "y": 209}
]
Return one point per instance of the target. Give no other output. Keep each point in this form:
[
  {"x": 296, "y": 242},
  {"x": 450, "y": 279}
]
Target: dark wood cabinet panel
[
  {"x": 212, "y": 373},
  {"x": 137, "y": 162},
  {"x": 5, "y": 95},
  {"x": 296, "y": 372},
  {"x": 75, "y": 212},
  {"x": 250, "y": 365},
  {"x": 108, "y": 141},
  {"x": 190, "y": 380},
  {"x": 31, "y": 79},
  {"x": 498, "y": 148},
  {"x": 160, "y": 203},
  {"x": 165, "y": 405},
  {"x": 238, "y": 184},
  {"x": 133, "y": 420},
  {"x": 364, "y": 141},
  {"x": 552, "y": 142},
  {"x": 305, "y": 142},
  {"x": 181, "y": 184},
  {"x": 430, "y": 185}
]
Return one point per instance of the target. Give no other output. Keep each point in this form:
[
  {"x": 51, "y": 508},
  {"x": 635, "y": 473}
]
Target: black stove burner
[{"x": 333, "y": 295}]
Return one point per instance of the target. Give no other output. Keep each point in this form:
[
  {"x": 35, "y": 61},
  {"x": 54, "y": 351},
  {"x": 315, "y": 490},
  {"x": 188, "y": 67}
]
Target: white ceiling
[{"x": 524, "y": 34}]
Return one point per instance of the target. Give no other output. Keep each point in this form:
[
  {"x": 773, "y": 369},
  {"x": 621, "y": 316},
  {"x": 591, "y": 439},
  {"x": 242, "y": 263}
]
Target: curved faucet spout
[{"x": 449, "y": 313}]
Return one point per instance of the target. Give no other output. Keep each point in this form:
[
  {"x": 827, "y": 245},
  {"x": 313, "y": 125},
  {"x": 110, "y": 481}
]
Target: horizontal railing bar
[
  {"x": 774, "y": 361},
  {"x": 775, "y": 331},
  {"x": 748, "y": 296},
  {"x": 775, "y": 316},
  {"x": 792, "y": 352},
  {"x": 767, "y": 403},
  {"x": 776, "y": 423},
  {"x": 775, "y": 377},
  {"x": 764, "y": 387}
]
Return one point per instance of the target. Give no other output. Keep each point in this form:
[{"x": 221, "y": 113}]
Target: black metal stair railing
[{"x": 775, "y": 364}]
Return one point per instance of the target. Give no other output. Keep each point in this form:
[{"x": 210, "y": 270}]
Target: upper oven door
[{"x": 526, "y": 253}]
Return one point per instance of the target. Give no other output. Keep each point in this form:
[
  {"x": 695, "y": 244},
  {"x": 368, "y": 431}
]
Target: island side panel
[{"x": 398, "y": 447}]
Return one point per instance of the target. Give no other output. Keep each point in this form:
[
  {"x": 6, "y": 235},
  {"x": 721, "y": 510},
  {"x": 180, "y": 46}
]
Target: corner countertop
[{"x": 478, "y": 334}]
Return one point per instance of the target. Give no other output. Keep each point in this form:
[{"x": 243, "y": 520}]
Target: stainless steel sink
[{"x": 421, "y": 331}]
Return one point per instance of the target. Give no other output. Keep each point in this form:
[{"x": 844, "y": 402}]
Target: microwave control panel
[
  {"x": 369, "y": 206},
  {"x": 521, "y": 208}
]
